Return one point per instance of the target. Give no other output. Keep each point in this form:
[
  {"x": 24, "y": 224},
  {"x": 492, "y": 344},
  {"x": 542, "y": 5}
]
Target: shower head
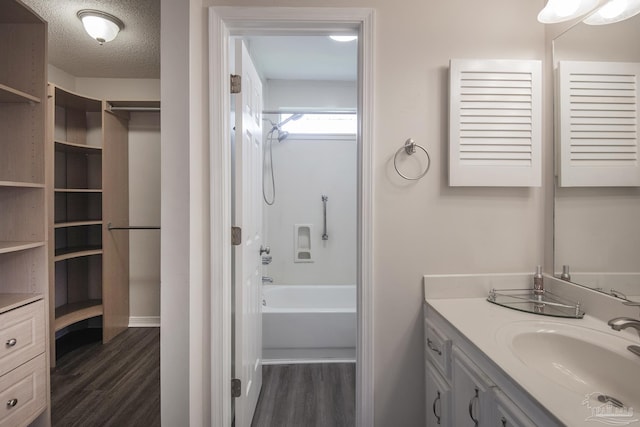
[
  {"x": 282, "y": 135},
  {"x": 276, "y": 127}
]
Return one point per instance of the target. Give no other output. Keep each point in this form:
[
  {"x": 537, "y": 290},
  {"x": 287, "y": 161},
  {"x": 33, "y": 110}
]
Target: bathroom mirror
[{"x": 597, "y": 228}]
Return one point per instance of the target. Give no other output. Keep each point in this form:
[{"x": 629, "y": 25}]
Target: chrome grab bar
[{"x": 325, "y": 236}]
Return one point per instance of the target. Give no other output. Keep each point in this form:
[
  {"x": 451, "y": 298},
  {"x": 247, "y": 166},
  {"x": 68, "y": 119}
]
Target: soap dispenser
[{"x": 538, "y": 285}]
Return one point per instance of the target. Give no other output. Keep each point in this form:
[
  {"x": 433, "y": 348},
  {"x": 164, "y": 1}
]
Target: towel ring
[{"x": 409, "y": 147}]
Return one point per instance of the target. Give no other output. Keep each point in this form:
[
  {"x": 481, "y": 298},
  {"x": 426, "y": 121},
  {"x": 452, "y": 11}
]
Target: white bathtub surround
[
  {"x": 306, "y": 168},
  {"x": 308, "y": 323}
]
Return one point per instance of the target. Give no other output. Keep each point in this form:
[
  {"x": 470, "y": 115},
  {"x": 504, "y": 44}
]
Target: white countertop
[{"x": 480, "y": 322}]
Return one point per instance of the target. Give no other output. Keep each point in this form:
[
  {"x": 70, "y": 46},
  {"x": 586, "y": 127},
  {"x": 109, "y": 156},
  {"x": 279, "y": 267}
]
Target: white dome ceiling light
[{"x": 101, "y": 26}]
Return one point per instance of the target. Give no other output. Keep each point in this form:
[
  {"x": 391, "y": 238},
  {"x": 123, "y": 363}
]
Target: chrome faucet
[
  {"x": 620, "y": 323},
  {"x": 266, "y": 279}
]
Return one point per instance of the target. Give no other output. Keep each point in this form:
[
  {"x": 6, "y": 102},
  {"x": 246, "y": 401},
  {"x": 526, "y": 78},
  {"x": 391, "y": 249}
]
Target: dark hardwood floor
[
  {"x": 309, "y": 395},
  {"x": 115, "y": 384}
]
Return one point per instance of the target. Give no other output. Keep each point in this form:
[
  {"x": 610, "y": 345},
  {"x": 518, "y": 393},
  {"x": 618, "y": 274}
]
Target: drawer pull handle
[
  {"x": 473, "y": 399},
  {"x": 12, "y": 342},
  {"x": 436, "y": 400},
  {"x": 12, "y": 403},
  {"x": 433, "y": 347}
]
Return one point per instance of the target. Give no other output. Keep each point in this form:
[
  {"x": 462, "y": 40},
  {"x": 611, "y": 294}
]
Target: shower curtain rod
[{"x": 309, "y": 111}]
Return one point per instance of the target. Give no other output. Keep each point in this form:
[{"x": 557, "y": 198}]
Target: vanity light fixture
[
  {"x": 564, "y": 10},
  {"x": 614, "y": 11},
  {"x": 344, "y": 38},
  {"x": 101, "y": 26}
]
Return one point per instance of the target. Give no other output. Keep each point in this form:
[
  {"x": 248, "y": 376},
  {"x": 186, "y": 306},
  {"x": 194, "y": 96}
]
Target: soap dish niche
[{"x": 303, "y": 243}]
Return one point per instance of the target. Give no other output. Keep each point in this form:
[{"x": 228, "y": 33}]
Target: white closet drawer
[
  {"x": 21, "y": 335},
  {"x": 22, "y": 393}
]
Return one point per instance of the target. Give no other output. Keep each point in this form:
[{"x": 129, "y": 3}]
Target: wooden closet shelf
[
  {"x": 72, "y": 147},
  {"x": 69, "y": 314},
  {"x": 9, "y": 94},
  {"x": 10, "y": 301},
  {"x": 77, "y": 223},
  {"x": 66, "y": 99},
  {"x": 21, "y": 184},
  {"x": 12, "y": 246},
  {"x": 78, "y": 252},
  {"x": 78, "y": 190}
]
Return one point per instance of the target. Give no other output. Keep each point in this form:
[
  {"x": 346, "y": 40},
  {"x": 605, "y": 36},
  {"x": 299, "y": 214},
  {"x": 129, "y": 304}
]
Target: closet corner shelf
[
  {"x": 76, "y": 224},
  {"x": 75, "y": 147},
  {"x": 9, "y": 94},
  {"x": 69, "y": 314},
  {"x": 21, "y": 184},
  {"x": 12, "y": 246},
  {"x": 68, "y": 253}
]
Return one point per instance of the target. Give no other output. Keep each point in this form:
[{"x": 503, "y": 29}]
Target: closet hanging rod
[
  {"x": 309, "y": 111},
  {"x": 135, "y": 108},
  {"x": 111, "y": 227}
]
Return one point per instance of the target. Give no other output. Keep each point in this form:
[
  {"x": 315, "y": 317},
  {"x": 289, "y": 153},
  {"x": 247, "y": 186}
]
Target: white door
[{"x": 248, "y": 216}]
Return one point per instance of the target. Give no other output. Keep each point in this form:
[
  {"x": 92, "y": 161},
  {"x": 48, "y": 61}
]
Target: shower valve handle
[{"x": 264, "y": 250}]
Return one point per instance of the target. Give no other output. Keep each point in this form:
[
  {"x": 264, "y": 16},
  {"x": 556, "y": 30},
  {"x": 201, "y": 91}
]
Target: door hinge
[
  {"x": 236, "y": 83},
  {"x": 236, "y": 236},
  {"x": 236, "y": 387}
]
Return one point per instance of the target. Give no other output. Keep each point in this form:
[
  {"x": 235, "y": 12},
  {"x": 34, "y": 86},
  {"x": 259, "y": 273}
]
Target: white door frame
[{"x": 227, "y": 21}]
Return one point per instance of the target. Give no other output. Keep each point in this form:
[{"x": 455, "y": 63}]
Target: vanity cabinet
[
  {"x": 463, "y": 388},
  {"x": 508, "y": 414},
  {"x": 438, "y": 397},
  {"x": 473, "y": 402}
]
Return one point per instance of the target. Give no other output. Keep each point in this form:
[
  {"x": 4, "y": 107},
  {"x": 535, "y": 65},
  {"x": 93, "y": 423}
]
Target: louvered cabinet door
[
  {"x": 598, "y": 124},
  {"x": 495, "y": 123}
]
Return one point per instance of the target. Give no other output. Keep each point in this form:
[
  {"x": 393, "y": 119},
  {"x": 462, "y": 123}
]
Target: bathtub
[{"x": 308, "y": 323}]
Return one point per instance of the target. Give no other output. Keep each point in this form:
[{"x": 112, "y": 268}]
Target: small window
[{"x": 316, "y": 123}]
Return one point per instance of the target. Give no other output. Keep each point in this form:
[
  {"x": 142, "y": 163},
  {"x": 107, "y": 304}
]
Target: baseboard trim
[{"x": 144, "y": 321}]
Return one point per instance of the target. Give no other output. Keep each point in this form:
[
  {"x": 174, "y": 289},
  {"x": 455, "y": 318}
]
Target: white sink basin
[{"x": 586, "y": 361}]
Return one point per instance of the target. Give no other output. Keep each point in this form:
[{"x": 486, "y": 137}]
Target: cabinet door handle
[
  {"x": 12, "y": 342},
  {"x": 436, "y": 400},
  {"x": 433, "y": 347},
  {"x": 473, "y": 399},
  {"x": 12, "y": 403}
]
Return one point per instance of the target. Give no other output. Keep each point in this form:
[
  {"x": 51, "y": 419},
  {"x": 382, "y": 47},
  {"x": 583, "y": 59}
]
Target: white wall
[
  {"x": 144, "y": 210},
  {"x": 185, "y": 353},
  {"x": 119, "y": 89},
  {"x": 419, "y": 228},
  {"x": 310, "y": 94},
  {"x": 61, "y": 78}
]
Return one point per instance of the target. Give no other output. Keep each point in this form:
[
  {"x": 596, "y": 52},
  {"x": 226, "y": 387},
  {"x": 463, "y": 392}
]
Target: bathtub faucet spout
[{"x": 266, "y": 279}]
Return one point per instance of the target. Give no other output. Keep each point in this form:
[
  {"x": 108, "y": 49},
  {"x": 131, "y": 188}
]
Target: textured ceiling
[{"x": 135, "y": 53}]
